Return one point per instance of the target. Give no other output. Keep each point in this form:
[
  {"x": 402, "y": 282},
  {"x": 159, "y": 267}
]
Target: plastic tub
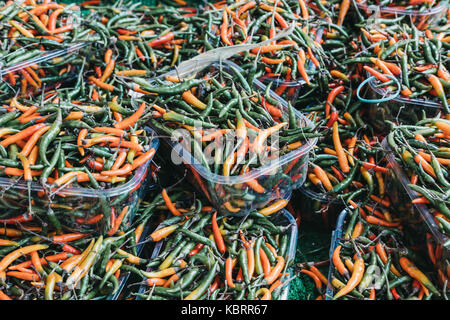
[
  {"x": 396, "y": 103},
  {"x": 52, "y": 63},
  {"x": 416, "y": 229},
  {"x": 222, "y": 189},
  {"x": 399, "y": 188},
  {"x": 405, "y": 100},
  {"x": 422, "y": 19},
  {"x": 414, "y": 226},
  {"x": 399, "y": 109},
  {"x": 74, "y": 203},
  {"x": 394, "y": 108},
  {"x": 281, "y": 218},
  {"x": 422, "y": 208},
  {"x": 57, "y": 69},
  {"x": 440, "y": 238},
  {"x": 417, "y": 218}
]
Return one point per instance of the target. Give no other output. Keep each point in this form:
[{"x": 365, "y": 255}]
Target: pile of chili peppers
[
  {"x": 212, "y": 257},
  {"x": 381, "y": 256},
  {"x": 419, "y": 5},
  {"x": 78, "y": 121},
  {"x": 421, "y": 149},
  {"x": 38, "y": 263},
  {"x": 233, "y": 121}
]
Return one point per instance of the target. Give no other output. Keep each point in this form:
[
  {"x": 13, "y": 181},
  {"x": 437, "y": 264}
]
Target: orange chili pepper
[
  {"x": 170, "y": 205},
  {"x": 131, "y": 120}
]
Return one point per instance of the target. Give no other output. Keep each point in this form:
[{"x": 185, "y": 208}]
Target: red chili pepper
[
  {"x": 217, "y": 235},
  {"x": 374, "y": 167},
  {"x": 161, "y": 40},
  {"x": 22, "y": 218},
  {"x": 339, "y": 175},
  {"x": 333, "y": 93},
  {"x": 333, "y": 117},
  {"x": 376, "y": 74},
  {"x": 70, "y": 249},
  {"x": 215, "y": 285},
  {"x": 196, "y": 249},
  {"x": 395, "y": 294}
]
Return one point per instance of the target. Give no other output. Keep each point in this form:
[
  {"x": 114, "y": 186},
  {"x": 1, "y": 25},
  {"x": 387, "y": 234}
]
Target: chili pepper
[
  {"x": 8, "y": 259},
  {"x": 354, "y": 280},
  {"x": 415, "y": 273}
]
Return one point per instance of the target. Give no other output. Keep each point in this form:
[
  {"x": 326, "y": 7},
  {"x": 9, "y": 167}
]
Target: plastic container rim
[
  {"x": 399, "y": 98},
  {"x": 335, "y": 235},
  {"x": 292, "y": 248}
]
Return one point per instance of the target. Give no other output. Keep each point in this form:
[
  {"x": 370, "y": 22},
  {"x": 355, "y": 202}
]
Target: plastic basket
[
  {"x": 400, "y": 193},
  {"x": 405, "y": 100},
  {"x": 441, "y": 238},
  {"x": 60, "y": 68},
  {"x": 125, "y": 277},
  {"x": 399, "y": 109},
  {"x": 282, "y": 218},
  {"x": 416, "y": 228},
  {"x": 48, "y": 63},
  {"x": 221, "y": 189},
  {"x": 75, "y": 201},
  {"x": 423, "y": 210}
]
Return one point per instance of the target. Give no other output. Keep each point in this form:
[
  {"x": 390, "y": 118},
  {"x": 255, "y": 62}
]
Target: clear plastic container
[
  {"x": 281, "y": 218},
  {"x": 71, "y": 204},
  {"x": 52, "y": 68},
  {"x": 415, "y": 228},
  {"x": 399, "y": 109},
  {"x": 54, "y": 60},
  {"x": 440, "y": 238},
  {"x": 224, "y": 190},
  {"x": 284, "y": 218},
  {"x": 417, "y": 232},
  {"x": 405, "y": 100},
  {"x": 421, "y": 19},
  {"x": 417, "y": 219}
]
